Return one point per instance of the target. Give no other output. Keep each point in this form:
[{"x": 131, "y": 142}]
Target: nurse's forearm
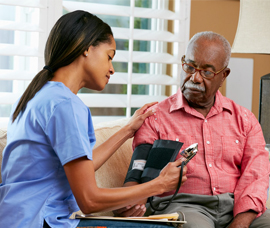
[{"x": 91, "y": 198}]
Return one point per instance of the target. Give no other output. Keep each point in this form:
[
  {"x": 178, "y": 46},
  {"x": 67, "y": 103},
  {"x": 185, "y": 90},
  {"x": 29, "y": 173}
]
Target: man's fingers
[
  {"x": 140, "y": 212},
  {"x": 121, "y": 210},
  {"x": 136, "y": 210}
]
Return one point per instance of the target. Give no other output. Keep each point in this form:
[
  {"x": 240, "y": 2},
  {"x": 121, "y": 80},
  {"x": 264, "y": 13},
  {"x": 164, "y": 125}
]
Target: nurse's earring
[{"x": 85, "y": 53}]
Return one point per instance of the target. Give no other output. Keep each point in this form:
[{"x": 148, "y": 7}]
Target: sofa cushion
[
  {"x": 113, "y": 172},
  {"x": 3, "y": 142}
]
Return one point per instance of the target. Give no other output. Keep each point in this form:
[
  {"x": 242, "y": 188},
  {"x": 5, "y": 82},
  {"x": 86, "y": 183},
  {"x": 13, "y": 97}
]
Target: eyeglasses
[{"x": 208, "y": 74}]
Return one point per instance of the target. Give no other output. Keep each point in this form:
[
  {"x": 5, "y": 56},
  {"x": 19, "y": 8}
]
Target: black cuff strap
[
  {"x": 137, "y": 163},
  {"x": 161, "y": 153}
]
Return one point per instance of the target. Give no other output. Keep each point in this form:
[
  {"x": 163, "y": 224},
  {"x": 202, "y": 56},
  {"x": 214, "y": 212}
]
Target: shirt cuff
[{"x": 247, "y": 203}]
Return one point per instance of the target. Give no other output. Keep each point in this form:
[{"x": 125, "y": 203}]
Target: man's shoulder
[
  {"x": 234, "y": 107},
  {"x": 240, "y": 112},
  {"x": 163, "y": 107},
  {"x": 167, "y": 102}
]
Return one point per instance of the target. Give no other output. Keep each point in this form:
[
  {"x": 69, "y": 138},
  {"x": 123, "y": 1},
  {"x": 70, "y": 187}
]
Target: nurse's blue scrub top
[{"x": 55, "y": 128}]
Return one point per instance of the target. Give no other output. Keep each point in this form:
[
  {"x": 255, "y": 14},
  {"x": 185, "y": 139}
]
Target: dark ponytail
[
  {"x": 36, "y": 84},
  {"x": 72, "y": 34}
]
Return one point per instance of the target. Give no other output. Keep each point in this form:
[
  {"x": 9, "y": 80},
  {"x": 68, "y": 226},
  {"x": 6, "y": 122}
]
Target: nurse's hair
[{"x": 70, "y": 37}]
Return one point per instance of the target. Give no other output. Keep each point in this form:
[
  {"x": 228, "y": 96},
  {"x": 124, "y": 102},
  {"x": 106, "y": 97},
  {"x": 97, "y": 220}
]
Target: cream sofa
[{"x": 113, "y": 172}]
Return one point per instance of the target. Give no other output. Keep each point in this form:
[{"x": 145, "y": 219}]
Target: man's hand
[
  {"x": 137, "y": 210},
  {"x": 243, "y": 220}
]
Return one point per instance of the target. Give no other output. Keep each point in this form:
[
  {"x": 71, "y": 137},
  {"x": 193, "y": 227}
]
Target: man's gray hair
[{"x": 212, "y": 36}]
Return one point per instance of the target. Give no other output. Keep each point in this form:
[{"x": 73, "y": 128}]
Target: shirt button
[
  {"x": 208, "y": 142},
  {"x": 210, "y": 165},
  {"x": 177, "y": 139},
  {"x": 214, "y": 189},
  {"x": 155, "y": 118},
  {"x": 205, "y": 121},
  {"x": 236, "y": 141}
]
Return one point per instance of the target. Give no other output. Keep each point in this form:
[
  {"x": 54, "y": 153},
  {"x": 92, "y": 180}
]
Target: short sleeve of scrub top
[{"x": 69, "y": 130}]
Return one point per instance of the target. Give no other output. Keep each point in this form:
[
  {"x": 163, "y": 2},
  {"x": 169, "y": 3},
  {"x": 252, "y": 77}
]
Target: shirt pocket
[{"x": 232, "y": 153}]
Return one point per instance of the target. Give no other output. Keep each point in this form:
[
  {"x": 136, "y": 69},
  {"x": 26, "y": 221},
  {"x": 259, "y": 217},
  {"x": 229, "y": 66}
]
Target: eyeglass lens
[{"x": 191, "y": 70}]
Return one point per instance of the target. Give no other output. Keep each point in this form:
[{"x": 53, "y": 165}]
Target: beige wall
[{"x": 221, "y": 16}]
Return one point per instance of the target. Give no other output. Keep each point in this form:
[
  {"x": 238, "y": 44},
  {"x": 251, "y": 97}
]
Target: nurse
[{"x": 49, "y": 163}]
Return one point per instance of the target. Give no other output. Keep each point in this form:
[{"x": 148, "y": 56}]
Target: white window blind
[
  {"x": 150, "y": 40},
  {"x": 24, "y": 27},
  {"x": 151, "y": 36}
]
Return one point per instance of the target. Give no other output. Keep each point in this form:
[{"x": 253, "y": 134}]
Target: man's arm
[
  {"x": 145, "y": 135},
  {"x": 243, "y": 220},
  {"x": 103, "y": 152},
  {"x": 251, "y": 190}
]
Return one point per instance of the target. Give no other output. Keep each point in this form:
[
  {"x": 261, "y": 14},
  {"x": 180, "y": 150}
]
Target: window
[
  {"x": 151, "y": 36},
  {"x": 18, "y": 48}
]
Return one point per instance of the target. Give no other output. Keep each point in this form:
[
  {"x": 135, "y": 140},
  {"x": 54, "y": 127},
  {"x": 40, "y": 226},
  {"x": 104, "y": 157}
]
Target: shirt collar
[
  {"x": 221, "y": 103},
  {"x": 178, "y": 102}
]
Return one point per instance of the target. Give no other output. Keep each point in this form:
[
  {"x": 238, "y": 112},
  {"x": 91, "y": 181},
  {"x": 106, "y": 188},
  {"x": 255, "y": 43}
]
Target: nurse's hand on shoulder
[{"x": 139, "y": 116}]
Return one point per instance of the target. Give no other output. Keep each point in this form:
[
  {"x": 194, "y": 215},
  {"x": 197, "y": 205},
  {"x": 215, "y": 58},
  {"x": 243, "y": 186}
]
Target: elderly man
[{"x": 227, "y": 180}]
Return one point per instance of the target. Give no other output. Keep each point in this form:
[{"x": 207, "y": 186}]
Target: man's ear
[
  {"x": 225, "y": 74},
  {"x": 227, "y": 71}
]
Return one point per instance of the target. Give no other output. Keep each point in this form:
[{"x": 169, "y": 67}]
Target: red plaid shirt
[{"x": 231, "y": 149}]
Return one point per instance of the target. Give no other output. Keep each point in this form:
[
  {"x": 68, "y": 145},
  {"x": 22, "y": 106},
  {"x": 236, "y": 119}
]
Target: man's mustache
[{"x": 191, "y": 85}]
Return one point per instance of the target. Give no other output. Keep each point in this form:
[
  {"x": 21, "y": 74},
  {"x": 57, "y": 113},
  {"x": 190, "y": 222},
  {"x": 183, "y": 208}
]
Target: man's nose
[{"x": 196, "y": 77}]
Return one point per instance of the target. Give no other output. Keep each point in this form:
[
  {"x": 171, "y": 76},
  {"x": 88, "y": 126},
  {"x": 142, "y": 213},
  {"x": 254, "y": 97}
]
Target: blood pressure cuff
[
  {"x": 148, "y": 160},
  {"x": 137, "y": 163}
]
